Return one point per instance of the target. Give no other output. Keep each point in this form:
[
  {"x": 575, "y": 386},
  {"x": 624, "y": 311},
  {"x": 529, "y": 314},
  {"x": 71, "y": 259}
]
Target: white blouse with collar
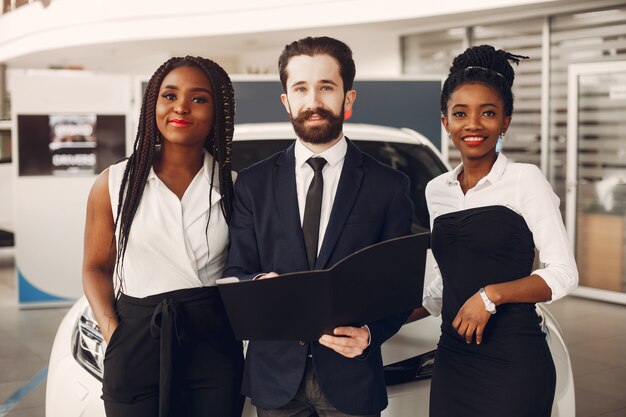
[
  {"x": 523, "y": 189},
  {"x": 169, "y": 246}
]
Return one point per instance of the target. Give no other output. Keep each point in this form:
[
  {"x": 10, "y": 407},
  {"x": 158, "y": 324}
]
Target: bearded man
[{"x": 305, "y": 208}]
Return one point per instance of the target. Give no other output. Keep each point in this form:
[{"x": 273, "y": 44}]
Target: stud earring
[{"x": 499, "y": 142}]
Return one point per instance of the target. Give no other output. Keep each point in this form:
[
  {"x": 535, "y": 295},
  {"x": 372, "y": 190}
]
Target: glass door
[{"x": 596, "y": 177}]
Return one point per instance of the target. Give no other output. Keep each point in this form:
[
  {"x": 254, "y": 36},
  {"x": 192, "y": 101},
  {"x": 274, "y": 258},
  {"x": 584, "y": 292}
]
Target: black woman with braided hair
[
  {"x": 487, "y": 217},
  {"x": 156, "y": 239}
]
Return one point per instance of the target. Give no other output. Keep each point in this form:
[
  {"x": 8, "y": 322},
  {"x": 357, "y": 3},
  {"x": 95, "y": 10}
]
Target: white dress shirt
[
  {"x": 523, "y": 189},
  {"x": 167, "y": 246},
  {"x": 331, "y": 173}
]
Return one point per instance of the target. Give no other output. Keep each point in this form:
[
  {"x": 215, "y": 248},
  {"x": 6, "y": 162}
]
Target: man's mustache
[{"x": 305, "y": 115}]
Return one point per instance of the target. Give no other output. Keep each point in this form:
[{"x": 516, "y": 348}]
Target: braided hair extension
[
  {"x": 486, "y": 65},
  {"x": 218, "y": 144}
]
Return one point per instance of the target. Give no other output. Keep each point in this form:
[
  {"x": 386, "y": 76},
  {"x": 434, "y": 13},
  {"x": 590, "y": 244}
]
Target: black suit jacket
[{"x": 372, "y": 204}]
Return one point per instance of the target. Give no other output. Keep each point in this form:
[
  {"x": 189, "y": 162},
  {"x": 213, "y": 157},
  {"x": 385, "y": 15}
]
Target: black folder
[{"x": 375, "y": 282}]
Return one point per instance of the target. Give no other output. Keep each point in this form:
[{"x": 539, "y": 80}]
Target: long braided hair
[
  {"x": 486, "y": 65},
  {"x": 218, "y": 144}
]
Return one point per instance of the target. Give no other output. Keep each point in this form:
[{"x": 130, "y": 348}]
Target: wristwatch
[{"x": 489, "y": 305}]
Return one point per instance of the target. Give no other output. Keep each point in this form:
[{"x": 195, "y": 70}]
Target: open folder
[{"x": 375, "y": 282}]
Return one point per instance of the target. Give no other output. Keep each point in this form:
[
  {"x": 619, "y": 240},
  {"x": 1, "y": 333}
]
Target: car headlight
[
  {"x": 88, "y": 345},
  {"x": 412, "y": 369}
]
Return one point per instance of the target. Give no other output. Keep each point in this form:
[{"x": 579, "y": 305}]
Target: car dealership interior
[{"x": 73, "y": 74}]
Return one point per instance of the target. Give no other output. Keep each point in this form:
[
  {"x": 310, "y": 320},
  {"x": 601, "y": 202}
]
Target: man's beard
[{"x": 320, "y": 133}]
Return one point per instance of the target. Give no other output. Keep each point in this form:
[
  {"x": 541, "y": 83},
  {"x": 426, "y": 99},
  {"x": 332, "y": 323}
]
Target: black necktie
[{"x": 313, "y": 209}]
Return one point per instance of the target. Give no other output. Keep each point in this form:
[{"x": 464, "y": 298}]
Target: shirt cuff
[
  {"x": 559, "y": 286},
  {"x": 431, "y": 305}
]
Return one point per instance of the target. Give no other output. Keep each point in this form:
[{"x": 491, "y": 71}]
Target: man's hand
[
  {"x": 472, "y": 319},
  {"x": 347, "y": 341}
]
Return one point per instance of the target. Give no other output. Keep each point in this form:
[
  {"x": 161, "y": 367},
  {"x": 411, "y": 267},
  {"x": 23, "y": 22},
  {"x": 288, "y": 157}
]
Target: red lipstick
[{"x": 179, "y": 122}]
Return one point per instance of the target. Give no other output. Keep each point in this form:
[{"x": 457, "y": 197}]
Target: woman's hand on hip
[{"x": 471, "y": 319}]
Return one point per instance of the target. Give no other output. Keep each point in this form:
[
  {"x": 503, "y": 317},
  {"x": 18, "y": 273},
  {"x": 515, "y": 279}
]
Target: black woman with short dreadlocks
[
  {"x": 488, "y": 216},
  {"x": 156, "y": 239}
]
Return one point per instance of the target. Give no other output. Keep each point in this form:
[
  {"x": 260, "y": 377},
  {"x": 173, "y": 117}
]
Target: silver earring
[
  {"x": 499, "y": 142},
  {"x": 157, "y": 144},
  {"x": 449, "y": 134}
]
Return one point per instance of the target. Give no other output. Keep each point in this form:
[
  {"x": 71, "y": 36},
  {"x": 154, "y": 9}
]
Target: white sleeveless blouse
[{"x": 169, "y": 246}]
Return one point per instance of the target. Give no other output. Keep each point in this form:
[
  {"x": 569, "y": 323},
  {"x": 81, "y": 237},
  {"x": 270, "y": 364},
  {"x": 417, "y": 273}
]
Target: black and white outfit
[
  {"x": 488, "y": 236},
  {"x": 173, "y": 353}
]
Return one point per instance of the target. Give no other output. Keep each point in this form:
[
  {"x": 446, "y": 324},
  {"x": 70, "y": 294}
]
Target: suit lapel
[
  {"x": 286, "y": 199},
  {"x": 347, "y": 192}
]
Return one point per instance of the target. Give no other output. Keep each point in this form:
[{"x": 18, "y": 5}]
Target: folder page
[{"x": 375, "y": 282}]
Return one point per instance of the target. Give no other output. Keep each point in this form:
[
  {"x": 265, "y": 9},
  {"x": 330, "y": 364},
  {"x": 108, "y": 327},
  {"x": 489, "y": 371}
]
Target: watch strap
[{"x": 490, "y": 306}]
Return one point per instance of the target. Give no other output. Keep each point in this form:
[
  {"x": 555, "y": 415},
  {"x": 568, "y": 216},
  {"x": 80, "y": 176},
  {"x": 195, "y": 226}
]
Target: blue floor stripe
[{"x": 23, "y": 392}]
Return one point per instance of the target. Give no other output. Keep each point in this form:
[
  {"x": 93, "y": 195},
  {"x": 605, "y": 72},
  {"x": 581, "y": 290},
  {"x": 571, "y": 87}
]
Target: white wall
[
  {"x": 377, "y": 54},
  {"x": 32, "y": 29}
]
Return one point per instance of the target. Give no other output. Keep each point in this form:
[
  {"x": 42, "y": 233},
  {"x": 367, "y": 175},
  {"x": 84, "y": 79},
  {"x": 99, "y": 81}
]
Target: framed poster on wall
[{"x": 69, "y": 144}]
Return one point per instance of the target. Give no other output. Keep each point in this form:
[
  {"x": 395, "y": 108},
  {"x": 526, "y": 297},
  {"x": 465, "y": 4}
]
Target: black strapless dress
[{"x": 511, "y": 373}]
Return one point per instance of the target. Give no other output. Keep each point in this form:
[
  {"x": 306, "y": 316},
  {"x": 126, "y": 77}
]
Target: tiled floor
[
  {"x": 25, "y": 341},
  {"x": 595, "y": 333}
]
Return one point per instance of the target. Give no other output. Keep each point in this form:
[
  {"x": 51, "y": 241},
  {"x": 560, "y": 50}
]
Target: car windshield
[{"x": 418, "y": 162}]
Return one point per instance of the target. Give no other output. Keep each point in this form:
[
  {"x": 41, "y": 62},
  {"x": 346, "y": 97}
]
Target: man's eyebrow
[{"x": 297, "y": 83}]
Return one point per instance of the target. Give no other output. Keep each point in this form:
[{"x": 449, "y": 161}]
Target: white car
[{"x": 75, "y": 369}]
